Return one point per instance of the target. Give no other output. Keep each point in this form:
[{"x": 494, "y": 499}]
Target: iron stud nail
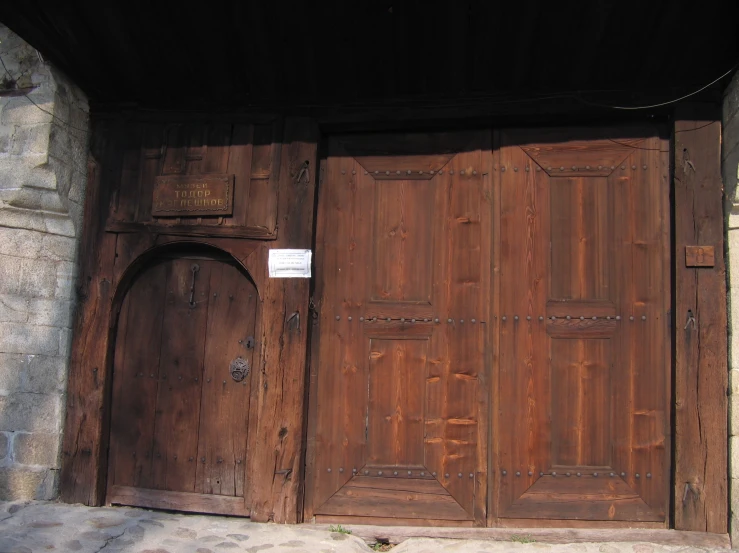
[
  {"x": 587, "y": 167},
  {"x": 633, "y": 166},
  {"x": 413, "y": 320},
  {"x": 618, "y": 317},
  {"x": 623, "y": 167},
  {"x": 538, "y": 168},
  {"x": 446, "y": 475},
  {"x": 238, "y": 461},
  {"x": 219, "y": 460},
  {"x": 554, "y": 318},
  {"x": 645, "y": 167},
  {"x": 608, "y": 317},
  {"x": 377, "y": 172},
  {"x": 366, "y": 472},
  {"x": 361, "y": 319},
  {"x": 402, "y": 320},
  {"x": 579, "y": 474},
  {"x": 224, "y": 381},
  {"x": 436, "y": 320},
  {"x": 409, "y": 473},
  {"x": 425, "y": 320},
  {"x": 365, "y": 172},
  {"x": 354, "y": 471},
  {"x": 338, "y": 317},
  {"x": 408, "y": 171},
  {"x": 527, "y": 169},
  {"x": 449, "y": 320},
  {"x": 151, "y": 376},
  {"x": 528, "y": 317},
  {"x": 209, "y": 380},
  {"x": 196, "y": 379},
  {"x": 649, "y": 475},
  {"x": 515, "y": 169},
  {"x": 461, "y": 321},
  {"x": 341, "y": 469},
  {"x": 554, "y": 473},
  {"x": 502, "y": 169},
  {"x": 397, "y": 172},
  {"x": 505, "y": 472},
  {"x": 349, "y": 318},
  {"x": 423, "y": 474},
  {"x": 568, "y": 474},
  {"x": 461, "y": 172},
  {"x": 440, "y": 172},
  {"x": 431, "y": 172},
  {"x": 433, "y": 474},
  {"x": 328, "y": 470},
  {"x": 505, "y": 318},
  {"x": 451, "y": 172},
  {"x": 541, "y": 474},
  {"x": 600, "y": 167},
  {"x": 459, "y": 475},
  {"x": 515, "y": 317},
  {"x": 531, "y": 473},
  {"x": 595, "y": 318},
  {"x": 574, "y": 168},
  {"x": 623, "y": 474},
  {"x": 518, "y": 473},
  {"x": 568, "y": 317},
  {"x": 582, "y": 318},
  {"x": 643, "y": 317},
  {"x": 179, "y": 377},
  {"x": 549, "y": 168},
  {"x": 595, "y": 474},
  {"x": 395, "y": 473},
  {"x": 474, "y": 172},
  {"x": 631, "y": 318},
  {"x": 472, "y": 475},
  {"x": 637, "y": 475},
  {"x": 202, "y": 459},
  {"x": 354, "y": 172},
  {"x": 388, "y": 319},
  {"x": 190, "y": 459},
  {"x": 561, "y": 168},
  {"x": 611, "y": 475},
  {"x": 387, "y": 172},
  {"x": 343, "y": 171},
  {"x": 379, "y": 472},
  {"x": 541, "y": 318}
]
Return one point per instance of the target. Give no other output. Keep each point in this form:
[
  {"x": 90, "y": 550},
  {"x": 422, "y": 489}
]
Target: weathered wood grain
[{"x": 701, "y": 374}]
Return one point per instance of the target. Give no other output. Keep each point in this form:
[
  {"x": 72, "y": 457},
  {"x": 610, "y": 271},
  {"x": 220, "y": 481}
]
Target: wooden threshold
[
  {"x": 177, "y": 501},
  {"x": 397, "y": 534}
]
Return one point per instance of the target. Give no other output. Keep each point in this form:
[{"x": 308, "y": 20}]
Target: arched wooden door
[{"x": 180, "y": 387}]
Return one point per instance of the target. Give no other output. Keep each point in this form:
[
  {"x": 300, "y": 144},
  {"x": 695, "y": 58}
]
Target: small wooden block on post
[{"x": 699, "y": 256}]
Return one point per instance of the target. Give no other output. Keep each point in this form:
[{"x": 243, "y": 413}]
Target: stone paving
[{"x": 34, "y": 527}]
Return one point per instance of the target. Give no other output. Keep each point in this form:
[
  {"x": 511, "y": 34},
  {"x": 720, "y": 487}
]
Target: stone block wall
[{"x": 43, "y": 155}]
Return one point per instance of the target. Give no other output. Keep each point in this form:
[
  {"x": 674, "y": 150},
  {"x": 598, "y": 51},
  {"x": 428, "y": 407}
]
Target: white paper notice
[{"x": 289, "y": 263}]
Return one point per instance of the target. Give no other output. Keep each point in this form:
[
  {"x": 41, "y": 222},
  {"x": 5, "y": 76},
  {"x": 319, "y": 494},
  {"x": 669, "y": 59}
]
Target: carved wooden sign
[
  {"x": 192, "y": 195},
  {"x": 699, "y": 256}
]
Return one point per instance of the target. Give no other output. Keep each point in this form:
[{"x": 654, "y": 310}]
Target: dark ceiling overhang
[{"x": 516, "y": 55}]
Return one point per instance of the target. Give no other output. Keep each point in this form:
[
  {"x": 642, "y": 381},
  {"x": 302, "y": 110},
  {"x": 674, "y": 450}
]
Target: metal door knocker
[{"x": 239, "y": 369}]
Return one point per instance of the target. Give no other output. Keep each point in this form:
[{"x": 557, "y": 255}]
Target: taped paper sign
[{"x": 289, "y": 263}]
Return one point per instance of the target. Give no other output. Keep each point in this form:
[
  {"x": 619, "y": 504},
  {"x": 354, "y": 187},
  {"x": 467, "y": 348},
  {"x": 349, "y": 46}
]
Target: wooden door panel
[
  {"x": 584, "y": 344},
  {"x": 402, "y": 258},
  {"x": 179, "y": 418}
]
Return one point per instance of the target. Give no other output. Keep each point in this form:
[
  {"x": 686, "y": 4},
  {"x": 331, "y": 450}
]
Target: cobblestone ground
[{"x": 35, "y": 527}]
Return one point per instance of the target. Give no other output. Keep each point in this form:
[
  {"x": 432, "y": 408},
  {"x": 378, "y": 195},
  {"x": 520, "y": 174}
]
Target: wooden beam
[
  {"x": 701, "y": 372},
  {"x": 275, "y": 448}
]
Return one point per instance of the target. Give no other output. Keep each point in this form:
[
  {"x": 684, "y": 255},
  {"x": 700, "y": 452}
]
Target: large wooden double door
[
  {"x": 181, "y": 387},
  {"x": 493, "y": 339}
]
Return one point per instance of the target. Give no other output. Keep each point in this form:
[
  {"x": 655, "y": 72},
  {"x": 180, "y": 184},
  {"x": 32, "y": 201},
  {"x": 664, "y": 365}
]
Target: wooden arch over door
[{"x": 181, "y": 387}]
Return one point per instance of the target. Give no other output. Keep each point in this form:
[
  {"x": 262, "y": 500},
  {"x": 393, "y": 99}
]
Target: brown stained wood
[
  {"x": 224, "y": 415},
  {"x": 149, "y": 167},
  {"x": 373, "y": 502},
  {"x": 391, "y": 521},
  {"x": 175, "y": 150},
  {"x": 700, "y": 256},
  {"x": 406, "y": 250},
  {"x": 239, "y": 165},
  {"x": 161, "y": 227},
  {"x": 611, "y": 531},
  {"x": 276, "y": 423},
  {"x": 176, "y": 426},
  {"x": 177, "y": 501},
  {"x": 265, "y": 173},
  {"x": 134, "y": 402},
  {"x": 583, "y": 394},
  {"x": 700, "y": 493}
]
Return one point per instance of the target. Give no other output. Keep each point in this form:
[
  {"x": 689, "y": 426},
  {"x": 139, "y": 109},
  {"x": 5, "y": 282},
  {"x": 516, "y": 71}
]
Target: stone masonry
[
  {"x": 730, "y": 170},
  {"x": 43, "y": 145}
]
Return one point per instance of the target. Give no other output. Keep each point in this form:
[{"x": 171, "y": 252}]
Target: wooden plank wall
[
  {"x": 701, "y": 373},
  {"x": 276, "y": 427}
]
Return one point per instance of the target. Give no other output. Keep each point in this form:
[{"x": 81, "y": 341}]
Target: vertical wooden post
[
  {"x": 276, "y": 436},
  {"x": 701, "y": 373}
]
